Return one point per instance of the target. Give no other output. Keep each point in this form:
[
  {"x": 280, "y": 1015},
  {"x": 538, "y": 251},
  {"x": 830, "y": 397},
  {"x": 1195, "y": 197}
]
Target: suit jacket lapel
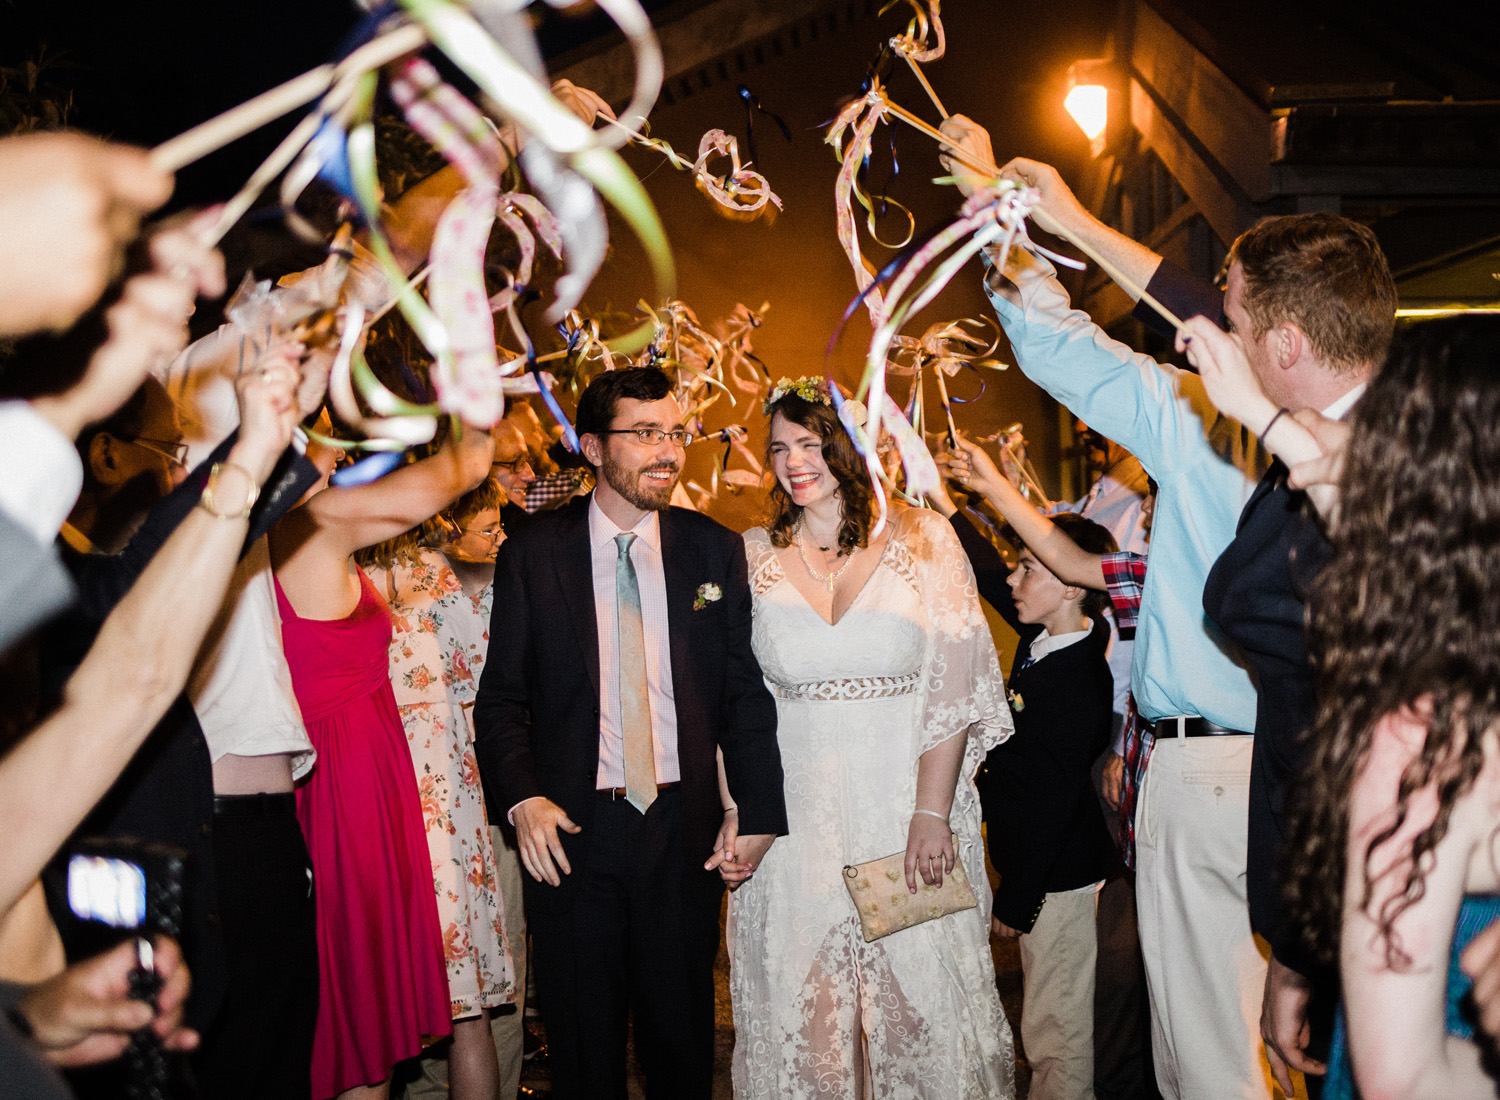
[
  {"x": 681, "y": 565},
  {"x": 575, "y": 576}
]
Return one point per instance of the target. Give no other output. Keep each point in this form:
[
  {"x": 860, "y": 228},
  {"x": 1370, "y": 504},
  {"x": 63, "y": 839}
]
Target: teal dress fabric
[{"x": 1476, "y": 914}]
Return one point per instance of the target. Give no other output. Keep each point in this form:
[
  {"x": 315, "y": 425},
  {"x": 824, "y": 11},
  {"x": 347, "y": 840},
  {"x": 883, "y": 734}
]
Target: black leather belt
[
  {"x": 270, "y": 804},
  {"x": 1192, "y": 726},
  {"x": 617, "y": 794}
]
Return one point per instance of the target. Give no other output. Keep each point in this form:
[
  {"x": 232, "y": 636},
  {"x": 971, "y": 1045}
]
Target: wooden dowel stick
[
  {"x": 917, "y": 72},
  {"x": 178, "y": 152},
  {"x": 947, "y": 406},
  {"x": 1032, "y": 486},
  {"x": 281, "y": 157},
  {"x": 1126, "y": 283},
  {"x": 941, "y": 138}
]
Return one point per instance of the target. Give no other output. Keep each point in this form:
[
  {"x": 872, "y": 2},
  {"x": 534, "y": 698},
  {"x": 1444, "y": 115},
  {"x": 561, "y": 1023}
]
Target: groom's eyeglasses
[{"x": 680, "y": 437}]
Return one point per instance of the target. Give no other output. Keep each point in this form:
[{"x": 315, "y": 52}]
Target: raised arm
[
  {"x": 1059, "y": 212},
  {"x": 349, "y": 519},
  {"x": 1398, "y": 1040},
  {"x": 1068, "y": 561},
  {"x": 141, "y": 658}
]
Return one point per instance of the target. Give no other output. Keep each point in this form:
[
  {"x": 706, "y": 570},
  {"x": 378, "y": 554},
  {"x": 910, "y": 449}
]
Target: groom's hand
[{"x": 537, "y": 821}]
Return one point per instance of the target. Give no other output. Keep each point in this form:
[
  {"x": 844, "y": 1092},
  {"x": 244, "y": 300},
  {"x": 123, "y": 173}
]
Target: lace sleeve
[
  {"x": 965, "y": 690},
  {"x": 760, "y": 557}
]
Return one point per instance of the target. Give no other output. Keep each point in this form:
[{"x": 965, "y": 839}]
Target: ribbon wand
[
  {"x": 191, "y": 145},
  {"x": 1126, "y": 283}
]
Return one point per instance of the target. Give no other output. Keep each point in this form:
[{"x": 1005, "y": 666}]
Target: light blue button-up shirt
[{"x": 1205, "y": 466}]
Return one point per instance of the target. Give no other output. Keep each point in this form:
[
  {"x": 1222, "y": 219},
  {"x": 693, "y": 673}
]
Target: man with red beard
[{"x": 622, "y": 669}]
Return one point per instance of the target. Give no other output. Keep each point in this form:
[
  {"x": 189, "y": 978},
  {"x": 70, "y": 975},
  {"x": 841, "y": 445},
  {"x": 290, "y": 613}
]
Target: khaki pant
[
  {"x": 506, "y": 1022},
  {"x": 1204, "y": 970},
  {"x": 1057, "y": 1006}
]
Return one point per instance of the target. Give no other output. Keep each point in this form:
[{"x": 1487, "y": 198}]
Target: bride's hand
[
  {"x": 723, "y": 858},
  {"x": 929, "y": 850}
]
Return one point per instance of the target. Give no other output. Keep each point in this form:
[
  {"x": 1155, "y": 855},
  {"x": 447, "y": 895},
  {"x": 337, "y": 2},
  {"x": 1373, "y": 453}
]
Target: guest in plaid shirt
[
  {"x": 1122, "y": 574},
  {"x": 572, "y": 477},
  {"x": 1124, "y": 580}
]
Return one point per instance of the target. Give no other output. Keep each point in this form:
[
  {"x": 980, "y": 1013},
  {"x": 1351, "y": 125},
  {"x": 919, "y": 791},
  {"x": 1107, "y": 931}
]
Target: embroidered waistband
[{"x": 857, "y": 687}]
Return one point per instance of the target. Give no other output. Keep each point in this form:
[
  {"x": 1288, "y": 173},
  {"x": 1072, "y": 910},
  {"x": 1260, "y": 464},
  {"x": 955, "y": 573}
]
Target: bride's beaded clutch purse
[{"x": 878, "y": 890}]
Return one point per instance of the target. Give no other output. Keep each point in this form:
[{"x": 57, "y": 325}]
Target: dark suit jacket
[
  {"x": 1257, "y": 594},
  {"x": 1045, "y": 828},
  {"x": 166, "y": 793},
  {"x": 536, "y": 718}
]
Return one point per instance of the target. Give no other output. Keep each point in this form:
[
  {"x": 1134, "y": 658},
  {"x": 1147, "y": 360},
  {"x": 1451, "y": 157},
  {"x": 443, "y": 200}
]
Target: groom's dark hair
[{"x": 599, "y": 403}]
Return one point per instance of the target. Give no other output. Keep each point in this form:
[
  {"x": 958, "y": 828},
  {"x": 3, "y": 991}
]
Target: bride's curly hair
[
  {"x": 1408, "y": 607},
  {"x": 848, "y": 469}
]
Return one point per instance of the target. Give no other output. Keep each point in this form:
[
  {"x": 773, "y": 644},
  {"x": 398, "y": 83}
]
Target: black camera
[{"x": 120, "y": 888}]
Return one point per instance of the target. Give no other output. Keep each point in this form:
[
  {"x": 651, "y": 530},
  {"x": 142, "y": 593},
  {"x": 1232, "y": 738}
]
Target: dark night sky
[{"x": 144, "y": 70}]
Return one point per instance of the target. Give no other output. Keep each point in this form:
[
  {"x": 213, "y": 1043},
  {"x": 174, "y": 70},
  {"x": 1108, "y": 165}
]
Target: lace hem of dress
[{"x": 858, "y": 687}]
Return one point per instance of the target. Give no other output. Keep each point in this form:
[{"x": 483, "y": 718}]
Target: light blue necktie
[{"x": 635, "y": 702}]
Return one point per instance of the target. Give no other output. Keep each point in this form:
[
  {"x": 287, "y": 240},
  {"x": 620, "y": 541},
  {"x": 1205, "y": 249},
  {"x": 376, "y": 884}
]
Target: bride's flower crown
[{"x": 812, "y": 388}]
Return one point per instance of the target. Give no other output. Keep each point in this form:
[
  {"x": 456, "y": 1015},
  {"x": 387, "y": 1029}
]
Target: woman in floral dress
[{"x": 438, "y": 645}]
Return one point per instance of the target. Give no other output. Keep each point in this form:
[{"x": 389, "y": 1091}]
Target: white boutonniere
[
  {"x": 707, "y": 594},
  {"x": 1017, "y": 704}
]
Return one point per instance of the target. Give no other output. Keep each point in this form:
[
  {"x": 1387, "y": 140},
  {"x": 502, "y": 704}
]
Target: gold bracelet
[{"x": 206, "y": 501}]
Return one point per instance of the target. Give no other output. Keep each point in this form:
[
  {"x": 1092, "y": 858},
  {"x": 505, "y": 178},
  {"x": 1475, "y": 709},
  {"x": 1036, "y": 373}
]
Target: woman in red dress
[{"x": 383, "y": 986}]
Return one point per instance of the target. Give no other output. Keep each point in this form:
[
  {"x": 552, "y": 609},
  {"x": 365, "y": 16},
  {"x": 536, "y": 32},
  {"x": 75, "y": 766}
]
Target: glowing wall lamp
[{"x": 1089, "y": 84}]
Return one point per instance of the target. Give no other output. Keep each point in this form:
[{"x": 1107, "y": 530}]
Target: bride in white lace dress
[{"x": 889, "y": 694}]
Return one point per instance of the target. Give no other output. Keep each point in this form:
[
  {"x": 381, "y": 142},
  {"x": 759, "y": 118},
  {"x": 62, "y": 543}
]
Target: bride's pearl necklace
[{"x": 821, "y": 578}]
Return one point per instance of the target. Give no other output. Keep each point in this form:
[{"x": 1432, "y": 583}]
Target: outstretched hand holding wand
[{"x": 973, "y": 469}]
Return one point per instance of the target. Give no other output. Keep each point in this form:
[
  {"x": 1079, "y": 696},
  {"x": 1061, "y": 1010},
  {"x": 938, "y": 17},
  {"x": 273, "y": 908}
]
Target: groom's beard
[{"x": 630, "y": 482}]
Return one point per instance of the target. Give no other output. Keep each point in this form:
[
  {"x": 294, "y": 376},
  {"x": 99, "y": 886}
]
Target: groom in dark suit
[{"x": 620, "y": 661}]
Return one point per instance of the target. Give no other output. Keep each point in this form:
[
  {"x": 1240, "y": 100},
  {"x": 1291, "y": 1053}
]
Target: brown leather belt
[
  {"x": 617, "y": 794},
  {"x": 1192, "y": 726}
]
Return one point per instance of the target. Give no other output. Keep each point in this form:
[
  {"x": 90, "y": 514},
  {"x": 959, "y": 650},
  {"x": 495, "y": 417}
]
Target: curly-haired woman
[
  {"x": 1392, "y": 862},
  {"x": 888, "y": 695}
]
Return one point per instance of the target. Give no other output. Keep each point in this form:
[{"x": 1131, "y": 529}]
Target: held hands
[
  {"x": 929, "y": 850},
  {"x": 734, "y": 874},
  {"x": 537, "y": 821},
  {"x": 85, "y": 1014},
  {"x": 737, "y": 857}
]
